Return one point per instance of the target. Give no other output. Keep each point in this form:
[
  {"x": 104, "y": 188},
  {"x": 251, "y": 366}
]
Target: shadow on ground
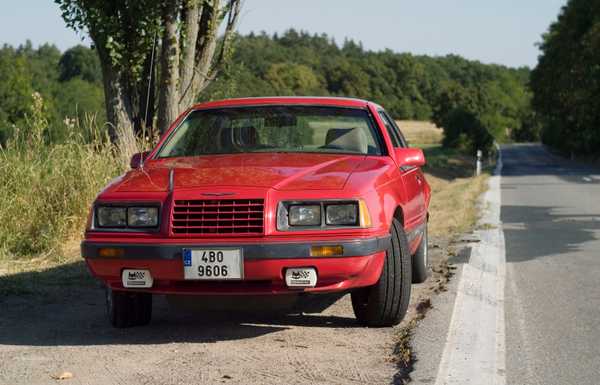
[
  {"x": 539, "y": 160},
  {"x": 43, "y": 309},
  {"x": 535, "y": 231}
]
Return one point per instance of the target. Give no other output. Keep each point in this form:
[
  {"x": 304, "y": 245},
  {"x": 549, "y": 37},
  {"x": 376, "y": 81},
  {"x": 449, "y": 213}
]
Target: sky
[{"x": 491, "y": 31}]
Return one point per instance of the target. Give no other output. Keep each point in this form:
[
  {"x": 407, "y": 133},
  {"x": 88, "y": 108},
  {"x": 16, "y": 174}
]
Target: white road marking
[{"x": 475, "y": 351}]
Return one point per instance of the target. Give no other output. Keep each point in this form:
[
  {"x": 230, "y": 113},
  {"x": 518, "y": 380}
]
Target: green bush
[{"x": 464, "y": 131}]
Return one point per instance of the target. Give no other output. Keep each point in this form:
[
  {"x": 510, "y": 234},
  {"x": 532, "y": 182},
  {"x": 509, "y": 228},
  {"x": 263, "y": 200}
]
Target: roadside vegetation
[
  {"x": 47, "y": 187},
  {"x": 450, "y": 172}
]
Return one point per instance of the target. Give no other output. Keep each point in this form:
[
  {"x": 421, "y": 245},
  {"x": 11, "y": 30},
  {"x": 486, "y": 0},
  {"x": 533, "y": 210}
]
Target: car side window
[
  {"x": 398, "y": 131},
  {"x": 392, "y": 130}
]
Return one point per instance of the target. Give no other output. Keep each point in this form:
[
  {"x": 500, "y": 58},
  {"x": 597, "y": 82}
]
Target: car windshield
[{"x": 273, "y": 129}]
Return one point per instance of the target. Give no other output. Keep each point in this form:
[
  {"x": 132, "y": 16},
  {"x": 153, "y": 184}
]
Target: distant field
[{"x": 417, "y": 132}]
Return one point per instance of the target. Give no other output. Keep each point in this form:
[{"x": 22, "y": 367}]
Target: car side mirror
[
  {"x": 409, "y": 157},
  {"x": 138, "y": 159}
]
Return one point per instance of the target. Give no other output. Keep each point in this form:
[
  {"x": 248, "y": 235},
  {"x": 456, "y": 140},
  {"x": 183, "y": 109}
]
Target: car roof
[{"x": 285, "y": 100}]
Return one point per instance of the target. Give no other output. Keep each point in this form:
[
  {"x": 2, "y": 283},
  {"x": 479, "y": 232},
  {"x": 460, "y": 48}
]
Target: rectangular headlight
[
  {"x": 142, "y": 216},
  {"x": 342, "y": 214},
  {"x": 108, "y": 216},
  {"x": 305, "y": 215}
]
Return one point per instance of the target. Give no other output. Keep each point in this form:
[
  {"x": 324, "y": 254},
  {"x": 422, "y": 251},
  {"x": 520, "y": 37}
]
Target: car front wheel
[
  {"x": 386, "y": 302},
  {"x": 126, "y": 309}
]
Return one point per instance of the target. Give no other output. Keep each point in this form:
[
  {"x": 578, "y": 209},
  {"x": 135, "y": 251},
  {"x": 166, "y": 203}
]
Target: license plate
[{"x": 213, "y": 264}]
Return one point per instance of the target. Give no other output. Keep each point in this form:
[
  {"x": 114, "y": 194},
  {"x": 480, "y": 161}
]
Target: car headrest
[
  {"x": 350, "y": 139},
  {"x": 247, "y": 136}
]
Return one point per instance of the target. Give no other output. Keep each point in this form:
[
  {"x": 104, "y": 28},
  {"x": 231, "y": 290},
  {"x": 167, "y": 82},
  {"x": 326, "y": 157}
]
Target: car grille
[{"x": 210, "y": 217}]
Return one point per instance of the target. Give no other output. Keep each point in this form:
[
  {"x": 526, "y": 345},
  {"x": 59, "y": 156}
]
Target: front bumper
[{"x": 264, "y": 266}]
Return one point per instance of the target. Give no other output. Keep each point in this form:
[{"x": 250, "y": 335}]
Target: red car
[{"x": 272, "y": 196}]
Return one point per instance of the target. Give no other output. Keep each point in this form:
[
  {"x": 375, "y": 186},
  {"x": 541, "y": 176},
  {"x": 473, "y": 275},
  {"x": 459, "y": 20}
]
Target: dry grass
[
  {"x": 418, "y": 133},
  {"x": 454, "y": 204},
  {"x": 455, "y": 191},
  {"x": 47, "y": 191}
]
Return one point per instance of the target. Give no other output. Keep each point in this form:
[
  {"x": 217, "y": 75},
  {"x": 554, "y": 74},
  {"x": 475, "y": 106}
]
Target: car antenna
[{"x": 150, "y": 72}]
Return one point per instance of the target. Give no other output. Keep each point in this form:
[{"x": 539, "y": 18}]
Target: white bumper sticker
[
  {"x": 301, "y": 277},
  {"x": 137, "y": 278}
]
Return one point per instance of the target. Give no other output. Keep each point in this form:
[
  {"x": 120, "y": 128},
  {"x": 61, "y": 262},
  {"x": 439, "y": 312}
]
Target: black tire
[
  {"x": 386, "y": 302},
  {"x": 420, "y": 269},
  {"x": 125, "y": 309}
]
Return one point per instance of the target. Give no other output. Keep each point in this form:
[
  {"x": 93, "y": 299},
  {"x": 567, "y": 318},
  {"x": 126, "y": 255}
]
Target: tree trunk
[
  {"x": 191, "y": 17},
  {"x": 168, "y": 99},
  {"x": 206, "y": 45},
  {"x": 118, "y": 113}
]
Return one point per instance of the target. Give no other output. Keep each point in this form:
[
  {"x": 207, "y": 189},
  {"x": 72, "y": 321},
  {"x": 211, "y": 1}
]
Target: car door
[{"x": 411, "y": 177}]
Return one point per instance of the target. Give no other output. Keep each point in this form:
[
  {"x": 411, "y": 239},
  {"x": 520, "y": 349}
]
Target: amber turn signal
[
  {"x": 365, "y": 218},
  {"x": 110, "y": 252},
  {"x": 326, "y": 251}
]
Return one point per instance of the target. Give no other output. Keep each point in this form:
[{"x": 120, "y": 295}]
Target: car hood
[{"x": 281, "y": 171}]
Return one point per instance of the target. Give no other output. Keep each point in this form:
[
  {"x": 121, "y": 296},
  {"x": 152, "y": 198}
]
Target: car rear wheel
[
  {"x": 127, "y": 309},
  {"x": 385, "y": 303},
  {"x": 420, "y": 270}
]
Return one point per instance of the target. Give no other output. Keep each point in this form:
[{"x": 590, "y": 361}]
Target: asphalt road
[
  {"x": 547, "y": 274},
  {"x": 551, "y": 220}
]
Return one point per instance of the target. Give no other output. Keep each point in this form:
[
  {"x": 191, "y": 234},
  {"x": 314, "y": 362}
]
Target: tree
[
  {"x": 466, "y": 132},
  {"x": 410, "y": 87},
  {"x": 566, "y": 81},
  {"x": 128, "y": 35},
  {"x": 15, "y": 91},
  {"x": 41, "y": 63},
  {"x": 293, "y": 79},
  {"x": 82, "y": 62},
  {"x": 76, "y": 98}
]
